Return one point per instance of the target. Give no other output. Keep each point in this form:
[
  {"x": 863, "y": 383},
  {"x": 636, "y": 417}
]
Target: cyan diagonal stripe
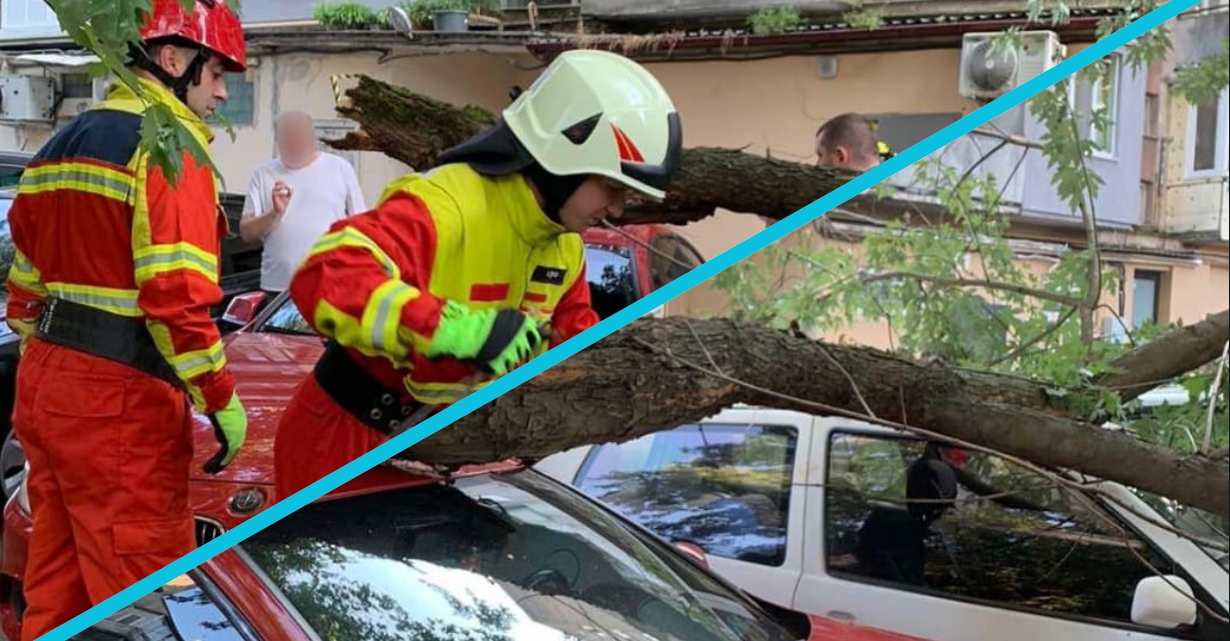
[{"x": 579, "y": 342}]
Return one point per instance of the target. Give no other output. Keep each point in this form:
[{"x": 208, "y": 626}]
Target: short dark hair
[{"x": 852, "y": 131}]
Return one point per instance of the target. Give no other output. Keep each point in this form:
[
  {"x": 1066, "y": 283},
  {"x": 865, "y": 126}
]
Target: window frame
[
  {"x": 1201, "y": 632},
  {"x": 241, "y": 77},
  {"x": 1220, "y": 168},
  {"x": 800, "y": 443},
  {"x": 1158, "y": 278},
  {"x": 1087, "y": 130}
]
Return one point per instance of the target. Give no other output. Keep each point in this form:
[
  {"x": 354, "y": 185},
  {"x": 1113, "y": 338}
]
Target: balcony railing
[
  {"x": 1198, "y": 208},
  {"x": 981, "y": 155}
]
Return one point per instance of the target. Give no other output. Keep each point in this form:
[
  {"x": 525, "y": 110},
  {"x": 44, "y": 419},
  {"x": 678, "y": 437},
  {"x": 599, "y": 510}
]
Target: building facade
[{"x": 1162, "y": 208}]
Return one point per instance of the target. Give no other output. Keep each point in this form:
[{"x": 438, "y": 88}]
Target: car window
[
  {"x": 286, "y": 319},
  {"x": 725, "y": 488},
  {"x": 1194, "y": 521},
  {"x": 507, "y": 557},
  {"x": 1011, "y": 537},
  {"x": 179, "y": 611},
  {"x": 682, "y": 259},
  {"x": 612, "y": 278}
]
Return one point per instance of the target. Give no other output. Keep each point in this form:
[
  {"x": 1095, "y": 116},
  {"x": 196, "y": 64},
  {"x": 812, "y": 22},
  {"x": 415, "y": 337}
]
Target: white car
[{"x": 809, "y": 513}]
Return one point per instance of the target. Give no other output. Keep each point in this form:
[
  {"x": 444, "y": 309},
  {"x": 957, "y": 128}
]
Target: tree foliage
[
  {"x": 108, "y": 28},
  {"x": 954, "y": 288}
]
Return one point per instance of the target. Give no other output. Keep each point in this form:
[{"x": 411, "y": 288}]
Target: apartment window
[
  {"x": 240, "y": 106},
  {"x": 1146, "y": 297},
  {"x": 76, "y": 85},
  {"x": 1207, "y": 133},
  {"x": 28, "y": 16},
  {"x": 1094, "y": 98}
]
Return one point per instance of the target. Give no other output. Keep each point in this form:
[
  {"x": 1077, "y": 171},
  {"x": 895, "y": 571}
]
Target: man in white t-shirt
[{"x": 293, "y": 199}]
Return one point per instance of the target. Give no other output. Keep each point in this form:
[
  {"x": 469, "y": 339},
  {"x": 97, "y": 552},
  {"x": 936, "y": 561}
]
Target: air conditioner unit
[
  {"x": 27, "y": 98},
  {"x": 100, "y": 87},
  {"x": 988, "y": 72}
]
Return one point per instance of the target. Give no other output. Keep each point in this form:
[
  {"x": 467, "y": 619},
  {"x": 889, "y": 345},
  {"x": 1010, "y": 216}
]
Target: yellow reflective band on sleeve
[
  {"x": 162, "y": 339},
  {"x": 190, "y": 365},
  {"x": 153, "y": 260},
  {"x": 350, "y": 237},
  {"x": 116, "y": 301},
  {"x": 25, "y": 275},
  {"x": 78, "y": 176},
  {"x": 382, "y": 317}
]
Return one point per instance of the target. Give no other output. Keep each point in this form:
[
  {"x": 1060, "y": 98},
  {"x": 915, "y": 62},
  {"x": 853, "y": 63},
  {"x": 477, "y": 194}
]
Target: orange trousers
[
  {"x": 109, "y": 450},
  {"x": 316, "y": 437}
]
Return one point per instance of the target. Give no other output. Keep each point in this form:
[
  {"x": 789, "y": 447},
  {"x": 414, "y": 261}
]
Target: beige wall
[
  {"x": 303, "y": 81},
  {"x": 778, "y": 104},
  {"x": 776, "y": 110}
]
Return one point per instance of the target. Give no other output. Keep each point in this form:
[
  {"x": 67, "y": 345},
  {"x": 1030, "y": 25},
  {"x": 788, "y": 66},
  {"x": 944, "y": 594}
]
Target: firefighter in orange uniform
[
  {"x": 452, "y": 276},
  {"x": 110, "y": 289}
]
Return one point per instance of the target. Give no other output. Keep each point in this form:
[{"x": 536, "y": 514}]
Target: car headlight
[{"x": 23, "y": 492}]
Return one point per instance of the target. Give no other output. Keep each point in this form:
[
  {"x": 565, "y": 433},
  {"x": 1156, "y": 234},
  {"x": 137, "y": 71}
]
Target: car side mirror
[
  {"x": 1164, "y": 602},
  {"x": 243, "y": 308},
  {"x": 694, "y": 551}
]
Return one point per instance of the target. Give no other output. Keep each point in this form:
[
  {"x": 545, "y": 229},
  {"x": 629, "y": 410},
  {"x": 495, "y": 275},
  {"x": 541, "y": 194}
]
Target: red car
[{"x": 492, "y": 553}]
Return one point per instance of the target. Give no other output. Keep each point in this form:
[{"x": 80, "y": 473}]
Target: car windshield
[
  {"x": 1196, "y": 522},
  {"x": 500, "y": 557}
]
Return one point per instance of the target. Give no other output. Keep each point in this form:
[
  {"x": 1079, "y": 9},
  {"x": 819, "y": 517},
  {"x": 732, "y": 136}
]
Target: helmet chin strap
[
  {"x": 555, "y": 189},
  {"x": 178, "y": 86}
]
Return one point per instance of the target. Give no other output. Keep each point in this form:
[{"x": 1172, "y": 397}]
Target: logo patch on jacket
[{"x": 549, "y": 275}]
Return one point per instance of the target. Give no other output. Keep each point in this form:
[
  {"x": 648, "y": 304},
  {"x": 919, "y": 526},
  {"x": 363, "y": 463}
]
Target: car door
[
  {"x": 982, "y": 570},
  {"x": 730, "y": 484}
]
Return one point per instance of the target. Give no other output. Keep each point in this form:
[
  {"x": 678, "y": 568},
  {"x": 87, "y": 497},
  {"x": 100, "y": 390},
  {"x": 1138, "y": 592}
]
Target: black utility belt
[
  {"x": 122, "y": 339},
  {"x": 360, "y": 394}
]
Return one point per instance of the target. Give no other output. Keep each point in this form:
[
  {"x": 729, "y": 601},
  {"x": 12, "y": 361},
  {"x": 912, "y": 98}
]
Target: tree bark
[
  {"x": 1178, "y": 352},
  {"x": 414, "y": 128},
  {"x": 621, "y": 388}
]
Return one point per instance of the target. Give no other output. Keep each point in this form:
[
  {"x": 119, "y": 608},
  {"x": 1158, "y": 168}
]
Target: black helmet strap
[{"x": 179, "y": 86}]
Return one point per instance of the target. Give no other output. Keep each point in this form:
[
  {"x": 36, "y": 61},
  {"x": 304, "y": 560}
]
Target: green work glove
[
  {"x": 496, "y": 340},
  {"x": 230, "y": 428}
]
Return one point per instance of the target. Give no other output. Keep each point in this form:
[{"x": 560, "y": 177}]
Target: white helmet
[{"x": 596, "y": 112}]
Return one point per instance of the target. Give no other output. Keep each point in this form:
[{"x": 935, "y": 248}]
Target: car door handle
[{"x": 841, "y": 615}]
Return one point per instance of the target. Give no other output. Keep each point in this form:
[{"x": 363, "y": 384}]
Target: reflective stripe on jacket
[
  {"x": 94, "y": 223},
  {"x": 376, "y": 282}
]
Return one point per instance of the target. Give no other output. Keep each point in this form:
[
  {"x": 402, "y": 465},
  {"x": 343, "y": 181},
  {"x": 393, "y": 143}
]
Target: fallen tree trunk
[
  {"x": 626, "y": 386},
  {"x": 1180, "y": 351},
  {"x": 414, "y": 128}
]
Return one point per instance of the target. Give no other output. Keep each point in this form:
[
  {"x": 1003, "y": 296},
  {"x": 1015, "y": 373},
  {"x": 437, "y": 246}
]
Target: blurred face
[
  {"x": 296, "y": 139},
  {"x": 597, "y": 198}
]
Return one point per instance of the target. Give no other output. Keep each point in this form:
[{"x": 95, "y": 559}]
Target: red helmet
[{"x": 211, "y": 25}]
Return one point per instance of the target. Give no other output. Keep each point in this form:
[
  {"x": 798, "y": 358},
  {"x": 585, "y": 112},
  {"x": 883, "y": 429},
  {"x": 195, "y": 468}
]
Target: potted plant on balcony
[
  {"x": 350, "y": 16},
  {"x": 450, "y": 15}
]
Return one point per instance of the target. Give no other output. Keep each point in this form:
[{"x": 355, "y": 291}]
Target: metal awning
[{"x": 55, "y": 59}]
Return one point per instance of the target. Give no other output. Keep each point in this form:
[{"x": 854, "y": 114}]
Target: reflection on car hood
[{"x": 267, "y": 369}]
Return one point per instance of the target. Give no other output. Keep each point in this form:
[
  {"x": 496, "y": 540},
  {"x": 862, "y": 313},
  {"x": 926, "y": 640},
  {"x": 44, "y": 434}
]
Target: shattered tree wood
[
  {"x": 413, "y": 128},
  {"x": 619, "y": 389}
]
